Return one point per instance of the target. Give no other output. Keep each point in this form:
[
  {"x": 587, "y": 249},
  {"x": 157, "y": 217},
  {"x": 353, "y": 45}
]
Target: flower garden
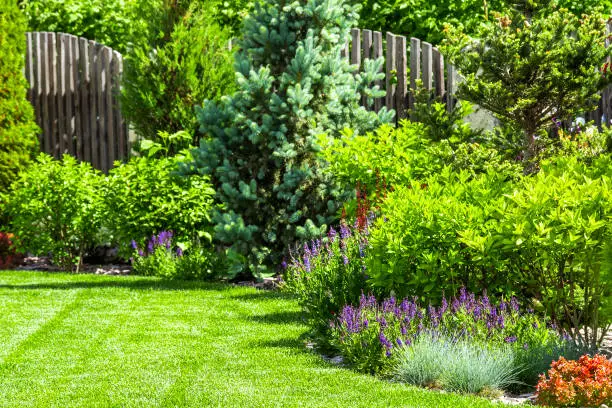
[{"x": 418, "y": 259}]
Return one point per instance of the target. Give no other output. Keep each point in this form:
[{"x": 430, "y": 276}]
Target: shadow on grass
[
  {"x": 283, "y": 317},
  {"x": 122, "y": 282}
]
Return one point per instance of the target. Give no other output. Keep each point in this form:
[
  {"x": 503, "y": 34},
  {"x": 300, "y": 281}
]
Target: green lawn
[{"x": 95, "y": 341}]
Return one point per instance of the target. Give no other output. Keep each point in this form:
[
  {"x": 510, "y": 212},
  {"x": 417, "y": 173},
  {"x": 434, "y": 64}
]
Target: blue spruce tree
[{"x": 261, "y": 143}]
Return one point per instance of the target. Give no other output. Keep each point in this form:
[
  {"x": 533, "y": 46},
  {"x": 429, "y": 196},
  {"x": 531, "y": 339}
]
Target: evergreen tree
[
  {"x": 18, "y": 130},
  {"x": 537, "y": 64},
  {"x": 261, "y": 152}
]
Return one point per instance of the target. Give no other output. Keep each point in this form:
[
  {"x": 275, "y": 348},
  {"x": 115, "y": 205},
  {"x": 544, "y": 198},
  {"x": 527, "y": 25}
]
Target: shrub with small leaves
[
  {"x": 586, "y": 382},
  {"x": 56, "y": 207}
]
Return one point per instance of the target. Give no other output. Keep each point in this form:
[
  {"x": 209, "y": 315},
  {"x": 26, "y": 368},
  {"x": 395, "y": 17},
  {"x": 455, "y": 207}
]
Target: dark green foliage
[
  {"x": 167, "y": 76},
  {"x": 262, "y": 146},
  {"x": 426, "y": 19},
  {"x": 531, "y": 67},
  {"x": 55, "y": 206},
  {"x": 144, "y": 197},
  {"x": 18, "y": 141}
]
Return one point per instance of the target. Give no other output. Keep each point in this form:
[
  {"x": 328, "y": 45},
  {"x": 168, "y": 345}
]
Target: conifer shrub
[
  {"x": 261, "y": 142},
  {"x": 531, "y": 66},
  {"x": 168, "y": 75},
  {"x": 18, "y": 142}
]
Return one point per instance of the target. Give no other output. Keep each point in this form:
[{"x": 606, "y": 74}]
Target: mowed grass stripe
[{"x": 144, "y": 342}]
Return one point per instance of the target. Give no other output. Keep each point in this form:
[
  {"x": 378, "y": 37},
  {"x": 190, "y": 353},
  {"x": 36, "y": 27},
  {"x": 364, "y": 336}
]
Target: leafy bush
[
  {"x": 369, "y": 335},
  {"x": 162, "y": 258},
  {"x": 114, "y": 23},
  {"x": 417, "y": 248},
  {"x": 261, "y": 147},
  {"x": 426, "y": 20},
  {"x": 531, "y": 66},
  {"x": 18, "y": 141},
  {"x": 456, "y": 365},
  {"x": 545, "y": 237},
  {"x": 144, "y": 196},
  {"x": 166, "y": 77},
  {"x": 326, "y": 275},
  {"x": 55, "y": 206},
  {"x": 583, "y": 383},
  {"x": 400, "y": 156}
]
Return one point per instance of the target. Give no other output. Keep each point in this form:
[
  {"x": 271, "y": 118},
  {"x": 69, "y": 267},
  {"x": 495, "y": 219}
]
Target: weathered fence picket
[{"x": 74, "y": 89}]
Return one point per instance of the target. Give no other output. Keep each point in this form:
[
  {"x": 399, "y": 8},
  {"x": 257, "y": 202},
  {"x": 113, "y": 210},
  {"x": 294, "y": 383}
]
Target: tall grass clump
[{"x": 440, "y": 361}]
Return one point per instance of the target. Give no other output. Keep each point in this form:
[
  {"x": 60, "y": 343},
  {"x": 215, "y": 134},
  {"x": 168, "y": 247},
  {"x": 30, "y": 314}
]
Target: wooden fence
[
  {"x": 407, "y": 60},
  {"x": 74, "y": 88}
]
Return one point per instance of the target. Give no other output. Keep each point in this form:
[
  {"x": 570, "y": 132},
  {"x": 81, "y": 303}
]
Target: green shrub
[
  {"x": 405, "y": 154},
  {"x": 426, "y": 20},
  {"x": 18, "y": 142},
  {"x": 545, "y": 237},
  {"x": 114, "y": 23},
  {"x": 55, "y": 206},
  {"x": 456, "y": 366},
  {"x": 535, "y": 65},
  {"x": 144, "y": 196},
  {"x": 166, "y": 77},
  {"x": 417, "y": 248},
  {"x": 261, "y": 150}
]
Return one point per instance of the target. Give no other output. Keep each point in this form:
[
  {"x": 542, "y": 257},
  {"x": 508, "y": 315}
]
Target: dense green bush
[
  {"x": 18, "y": 142},
  {"x": 55, "y": 207},
  {"x": 261, "y": 151},
  {"x": 163, "y": 82},
  {"x": 114, "y": 23},
  {"x": 144, "y": 197},
  {"x": 532, "y": 67},
  {"x": 545, "y": 237},
  {"x": 405, "y": 154},
  {"x": 426, "y": 20}
]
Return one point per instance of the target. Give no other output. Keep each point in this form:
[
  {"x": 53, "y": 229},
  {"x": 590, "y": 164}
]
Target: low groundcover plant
[{"x": 586, "y": 382}]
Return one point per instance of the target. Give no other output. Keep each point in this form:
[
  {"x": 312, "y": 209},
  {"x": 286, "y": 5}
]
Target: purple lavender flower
[
  {"x": 514, "y": 304},
  {"x": 444, "y": 307},
  {"x": 463, "y": 296},
  {"x": 366, "y": 323},
  {"x": 503, "y": 306},
  {"x": 284, "y": 265},
  {"x": 345, "y": 259},
  {"x": 151, "y": 245},
  {"x": 526, "y": 346},
  {"x": 307, "y": 263},
  {"x": 534, "y": 325},
  {"x": 179, "y": 253},
  {"x": 134, "y": 244},
  {"x": 140, "y": 253},
  {"x": 388, "y": 353},
  {"x": 345, "y": 232},
  {"x": 510, "y": 339},
  {"x": 403, "y": 330},
  {"x": 399, "y": 342},
  {"x": 332, "y": 234},
  {"x": 307, "y": 251},
  {"x": 383, "y": 340}
]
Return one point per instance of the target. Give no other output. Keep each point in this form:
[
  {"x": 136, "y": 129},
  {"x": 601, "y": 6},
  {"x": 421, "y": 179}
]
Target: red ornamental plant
[
  {"x": 8, "y": 257},
  {"x": 583, "y": 383}
]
